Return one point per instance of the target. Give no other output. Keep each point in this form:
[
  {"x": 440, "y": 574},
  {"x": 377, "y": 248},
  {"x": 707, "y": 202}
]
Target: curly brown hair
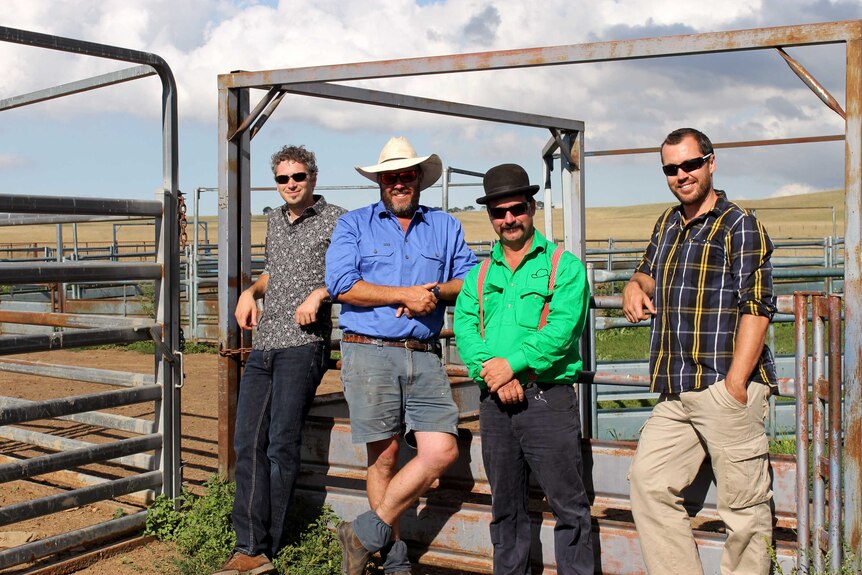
[{"x": 296, "y": 154}]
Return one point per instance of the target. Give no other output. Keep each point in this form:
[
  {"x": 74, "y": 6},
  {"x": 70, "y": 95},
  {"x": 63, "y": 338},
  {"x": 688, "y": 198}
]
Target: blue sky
[{"x": 108, "y": 143}]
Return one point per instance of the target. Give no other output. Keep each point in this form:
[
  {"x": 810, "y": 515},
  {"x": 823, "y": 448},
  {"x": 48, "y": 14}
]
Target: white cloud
[
  {"x": 730, "y": 96},
  {"x": 794, "y": 190},
  {"x": 10, "y": 161}
]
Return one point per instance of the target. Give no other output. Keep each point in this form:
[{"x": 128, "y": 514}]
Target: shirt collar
[
  {"x": 719, "y": 207},
  {"x": 314, "y": 209},
  {"x": 539, "y": 243}
]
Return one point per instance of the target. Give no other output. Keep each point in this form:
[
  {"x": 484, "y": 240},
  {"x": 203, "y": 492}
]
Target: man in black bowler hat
[{"x": 518, "y": 320}]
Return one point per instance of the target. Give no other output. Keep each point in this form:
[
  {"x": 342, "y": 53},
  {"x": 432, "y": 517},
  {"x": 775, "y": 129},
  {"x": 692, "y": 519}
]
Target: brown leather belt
[{"x": 411, "y": 344}]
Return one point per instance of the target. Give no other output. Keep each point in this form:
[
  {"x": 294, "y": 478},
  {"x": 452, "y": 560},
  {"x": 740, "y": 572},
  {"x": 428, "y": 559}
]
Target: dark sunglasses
[
  {"x": 687, "y": 166},
  {"x": 297, "y": 177},
  {"x": 516, "y": 210},
  {"x": 405, "y": 177}
]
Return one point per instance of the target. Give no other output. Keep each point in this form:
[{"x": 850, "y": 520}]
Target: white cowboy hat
[{"x": 398, "y": 154}]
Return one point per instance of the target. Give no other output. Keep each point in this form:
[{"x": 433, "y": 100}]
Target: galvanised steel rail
[{"x": 162, "y": 388}]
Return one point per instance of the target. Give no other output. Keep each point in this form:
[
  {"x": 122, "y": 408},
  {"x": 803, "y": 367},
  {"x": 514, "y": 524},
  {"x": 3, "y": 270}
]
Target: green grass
[
  {"x": 201, "y": 530},
  {"x": 632, "y": 343}
]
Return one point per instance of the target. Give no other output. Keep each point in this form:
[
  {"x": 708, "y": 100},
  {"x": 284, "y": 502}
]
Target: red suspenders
[{"x": 480, "y": 285}]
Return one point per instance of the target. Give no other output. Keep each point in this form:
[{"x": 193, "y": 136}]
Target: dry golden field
[{"x": 792, "y": 216}]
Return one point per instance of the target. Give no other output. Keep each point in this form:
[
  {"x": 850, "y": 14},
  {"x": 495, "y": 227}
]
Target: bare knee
[{"x": 439, "y": 452}]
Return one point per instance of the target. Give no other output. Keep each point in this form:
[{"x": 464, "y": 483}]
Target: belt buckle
[{"x": 407, "y": 344}]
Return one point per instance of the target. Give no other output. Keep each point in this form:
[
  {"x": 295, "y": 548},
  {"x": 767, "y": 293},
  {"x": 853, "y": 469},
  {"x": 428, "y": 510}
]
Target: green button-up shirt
[{"x": 512, "y": 302}]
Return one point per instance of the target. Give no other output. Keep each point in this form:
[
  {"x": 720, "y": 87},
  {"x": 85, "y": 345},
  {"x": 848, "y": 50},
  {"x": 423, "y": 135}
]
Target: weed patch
[{"x": 200, "y": 528}]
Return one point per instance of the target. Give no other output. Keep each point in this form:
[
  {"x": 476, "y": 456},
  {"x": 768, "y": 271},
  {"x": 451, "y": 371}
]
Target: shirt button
[
  {"x": 510, "y": 305},
  {"x": 406, "y": 257},
  {"x": 511, "y": 285}
]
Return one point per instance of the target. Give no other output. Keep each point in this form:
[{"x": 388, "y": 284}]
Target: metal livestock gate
[
  {"x": 161, "y": 470},
  {"x": 448, "y": 523}
]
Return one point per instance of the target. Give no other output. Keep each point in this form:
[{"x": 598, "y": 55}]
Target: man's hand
[
  {"x": 496, "y": 372},
  {"x": 637, "y": 305},
  {"x": 739, "y": 391},
  {"x": 246, "y": 310},
  {"x": 306, "y": 313},
  {"x": 418, "y": 301},
  {"x": 511, "y": 393}
]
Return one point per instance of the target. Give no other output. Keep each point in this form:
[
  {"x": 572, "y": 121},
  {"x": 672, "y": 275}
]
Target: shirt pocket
[
  {"x": 528, "y": 306},
  {"x": 432, "y": 266},
  {"x": 376, "y": 259}
]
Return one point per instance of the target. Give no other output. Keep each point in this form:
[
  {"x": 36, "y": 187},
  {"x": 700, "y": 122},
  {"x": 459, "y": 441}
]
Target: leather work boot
[
  {"x": 242, "y": 564},
  {"x": 354, "y": 555}
]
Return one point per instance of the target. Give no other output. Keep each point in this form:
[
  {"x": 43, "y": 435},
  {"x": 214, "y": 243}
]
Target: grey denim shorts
[{"x": 391, "y": 390}]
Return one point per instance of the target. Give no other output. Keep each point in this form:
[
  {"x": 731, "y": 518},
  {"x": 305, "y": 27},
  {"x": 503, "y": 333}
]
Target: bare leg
[
  {"x": 436, "y": 451},
  {"x": 382, "y": 467}
]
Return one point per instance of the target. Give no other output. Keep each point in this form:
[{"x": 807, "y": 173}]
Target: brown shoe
[
  {"x": 354, "y": 557},
  {"x": 242, "y": 564}
]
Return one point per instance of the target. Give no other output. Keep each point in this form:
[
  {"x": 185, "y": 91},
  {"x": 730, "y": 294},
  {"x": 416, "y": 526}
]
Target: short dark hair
[
  {"x": 680, "y": 134},
  {"x": 296, "y": 154}
]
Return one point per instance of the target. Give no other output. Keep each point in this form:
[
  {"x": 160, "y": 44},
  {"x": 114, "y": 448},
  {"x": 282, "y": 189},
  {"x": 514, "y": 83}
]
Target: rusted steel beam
[
  {"x": 329, "y": 456},
  {"x": 268, "y": 97},
  {"x": 812, "y": 83},
  {"x": 853, "y": 295},
  {"x": 722, "y": 145},
  {"x": 714, "y": 42},
  {"x": 442, "y": 107},
  {"x": 70, "y": 319}
]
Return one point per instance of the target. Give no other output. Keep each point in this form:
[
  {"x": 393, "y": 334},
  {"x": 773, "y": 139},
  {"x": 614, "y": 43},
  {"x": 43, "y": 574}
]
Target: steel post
[
  {"x": 853, "y": 294},
  {"x": 802, "y": 499},
  {"x": 818, "y": 431},
  {"x": 835, "y": 447},
  {"x": 234, "y": 256}
]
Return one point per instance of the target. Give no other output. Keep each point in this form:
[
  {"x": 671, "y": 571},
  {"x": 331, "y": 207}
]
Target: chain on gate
[{"x": 182, "y": 223}]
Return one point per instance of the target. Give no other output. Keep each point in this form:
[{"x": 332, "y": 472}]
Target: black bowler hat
[{"x": 506, "y": 180}]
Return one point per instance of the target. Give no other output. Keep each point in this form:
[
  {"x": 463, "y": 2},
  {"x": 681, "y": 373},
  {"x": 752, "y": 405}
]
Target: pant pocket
[{"x": 745, "y": 474}]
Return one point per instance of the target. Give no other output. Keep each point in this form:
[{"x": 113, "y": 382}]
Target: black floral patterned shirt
[{"x": 295, "y": 262}]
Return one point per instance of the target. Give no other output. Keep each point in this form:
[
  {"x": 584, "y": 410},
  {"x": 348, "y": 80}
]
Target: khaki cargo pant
[{"x": 682, "y": 430}]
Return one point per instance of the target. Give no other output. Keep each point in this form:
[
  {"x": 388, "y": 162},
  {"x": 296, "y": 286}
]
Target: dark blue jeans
[
  {"x": 275, "y": 394},
  {"x": 542, "y": 434}
]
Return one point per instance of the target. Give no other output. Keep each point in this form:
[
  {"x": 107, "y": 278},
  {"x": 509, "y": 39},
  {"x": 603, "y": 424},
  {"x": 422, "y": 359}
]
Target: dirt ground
[
  {"x": 199, "y": 447},
  {"x": 199, "y": 453}
]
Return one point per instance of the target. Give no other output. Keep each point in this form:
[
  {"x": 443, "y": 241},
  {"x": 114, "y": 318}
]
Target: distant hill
[{"x": 808, "y": 215}]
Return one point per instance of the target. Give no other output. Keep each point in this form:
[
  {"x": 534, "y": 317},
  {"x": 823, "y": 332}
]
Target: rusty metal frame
[{"x": 234, "y": 169}]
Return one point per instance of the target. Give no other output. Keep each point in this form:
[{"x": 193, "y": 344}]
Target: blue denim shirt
[{"x": 369, "y": 244}]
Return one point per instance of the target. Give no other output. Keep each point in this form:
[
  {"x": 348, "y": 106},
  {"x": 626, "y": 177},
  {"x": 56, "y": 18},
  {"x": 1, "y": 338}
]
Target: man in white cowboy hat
[
  {"x": 389, "y": 266},
  {"x": 517, "y": 325}
]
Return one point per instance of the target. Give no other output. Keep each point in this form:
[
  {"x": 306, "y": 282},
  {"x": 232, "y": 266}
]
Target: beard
[{"x": 404, "y": 210}]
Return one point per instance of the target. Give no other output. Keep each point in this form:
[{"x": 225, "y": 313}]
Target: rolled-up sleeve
[
  {"x": 750, "y": 252},
  {"x": 342, "y": 258},
  {"x": 463, "y": 259}
]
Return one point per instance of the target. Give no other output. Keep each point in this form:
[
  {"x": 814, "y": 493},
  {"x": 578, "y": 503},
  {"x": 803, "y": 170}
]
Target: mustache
[{"x": 514, "y": 226}]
